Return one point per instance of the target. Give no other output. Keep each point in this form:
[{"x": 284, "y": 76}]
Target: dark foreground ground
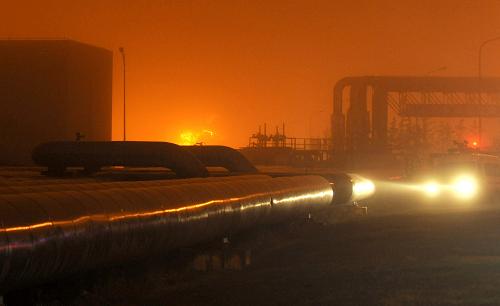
[{"x": 401, "y": 254}]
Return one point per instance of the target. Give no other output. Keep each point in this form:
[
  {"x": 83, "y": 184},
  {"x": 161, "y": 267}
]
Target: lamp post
[
  {"x": 122, "y": 51},
  {"x": 480, "y": 76}
]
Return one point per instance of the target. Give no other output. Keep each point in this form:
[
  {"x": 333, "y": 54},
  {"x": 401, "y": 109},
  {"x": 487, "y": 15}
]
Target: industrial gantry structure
[{"x": 361, "y": 106}]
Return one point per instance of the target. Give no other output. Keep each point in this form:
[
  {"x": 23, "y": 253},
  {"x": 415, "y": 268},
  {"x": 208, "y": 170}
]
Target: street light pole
[
  {"x": 122, "y": 51},
  {"x": 480, "y": 76}
]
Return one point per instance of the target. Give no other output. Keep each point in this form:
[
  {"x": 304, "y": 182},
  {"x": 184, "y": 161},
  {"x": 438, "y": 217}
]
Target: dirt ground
[{"x": 403, "y": 253}]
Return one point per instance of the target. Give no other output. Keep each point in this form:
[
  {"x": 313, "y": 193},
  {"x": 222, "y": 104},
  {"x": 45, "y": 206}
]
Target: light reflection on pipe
[{"x": 123, "y": 226}]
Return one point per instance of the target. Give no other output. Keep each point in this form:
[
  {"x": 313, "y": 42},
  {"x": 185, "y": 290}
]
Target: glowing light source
[
  {"x": 431, "y": 189},
  {"x": 189, "y": 138},
  {"x": 362, "y": 189},
  {"x": 475, "y": 144},
  {"x": 465, "y": 187}
]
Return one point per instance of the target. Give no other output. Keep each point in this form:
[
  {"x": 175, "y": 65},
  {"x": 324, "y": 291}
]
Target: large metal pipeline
[
  {"x": 93, "y": 155},
  {"x": 222, "y": 156},
  {"x": 47, "y": 235},
  {"x": 42, "y": 180},
  {"x": 342, "y": 183},
  {"x": 71, "y": 185}
]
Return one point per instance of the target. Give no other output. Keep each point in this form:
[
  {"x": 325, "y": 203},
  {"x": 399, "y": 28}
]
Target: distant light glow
[
  {"x": 189, "y": 137},
  {"x": 211, "y": 133},
  {"x": 465, "y": 187},
  {"x": 474, "y": 144},
  {"x": 431, "y": 189},
  {"x": 362, "y": 189}
]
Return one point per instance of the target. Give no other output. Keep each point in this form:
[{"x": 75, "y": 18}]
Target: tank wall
[{"x": 50, "y": 90}]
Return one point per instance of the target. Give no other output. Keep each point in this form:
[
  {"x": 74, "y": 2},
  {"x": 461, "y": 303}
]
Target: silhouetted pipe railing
[
  {"x": 92, "y": 155},
  {"x": 46, "y": 235}
]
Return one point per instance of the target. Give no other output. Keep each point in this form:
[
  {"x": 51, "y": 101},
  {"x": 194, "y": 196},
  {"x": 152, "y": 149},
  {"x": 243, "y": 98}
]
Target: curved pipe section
[
  {"x": 357, "y": 125},
  {"x": 51, "y": 234},
  {"x": 222, "y": 156},
  {"x": 92, "y": 155},
  {"x": 342, "y": 186}
]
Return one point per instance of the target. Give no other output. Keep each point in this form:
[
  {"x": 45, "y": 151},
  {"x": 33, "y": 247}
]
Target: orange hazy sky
[{"x": 228, "y": 66}]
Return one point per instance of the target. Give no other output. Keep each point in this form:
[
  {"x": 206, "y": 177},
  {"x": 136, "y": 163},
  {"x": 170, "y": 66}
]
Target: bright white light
[
  {"x": 431, "y": 189},
  {"x": 362, "y": 189},
  {"x": 465, "y": 187}
]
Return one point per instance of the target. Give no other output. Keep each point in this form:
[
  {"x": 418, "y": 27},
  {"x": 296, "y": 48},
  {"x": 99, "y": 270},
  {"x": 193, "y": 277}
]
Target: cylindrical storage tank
[{"x": 51, "y": 234}]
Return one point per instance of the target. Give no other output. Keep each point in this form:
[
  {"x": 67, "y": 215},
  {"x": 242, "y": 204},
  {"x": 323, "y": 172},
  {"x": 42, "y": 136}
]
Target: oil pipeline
[
  {"x": 47, "y": 235},
  {"x": 57, "y": 156},
  {"x": 54, "y": 227}
]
